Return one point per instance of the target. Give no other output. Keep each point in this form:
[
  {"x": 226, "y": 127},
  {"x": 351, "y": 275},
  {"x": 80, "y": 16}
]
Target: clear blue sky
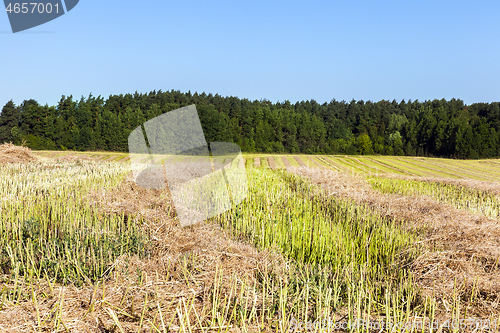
[{"x": 278, "y": 50}]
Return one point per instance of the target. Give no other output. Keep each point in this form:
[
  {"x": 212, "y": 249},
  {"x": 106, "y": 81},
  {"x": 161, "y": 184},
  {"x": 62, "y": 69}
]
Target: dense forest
[{"x": 431, "y": 128}]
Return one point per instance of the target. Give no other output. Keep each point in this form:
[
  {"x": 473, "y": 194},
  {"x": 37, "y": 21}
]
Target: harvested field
[
  {"x": 482, "y": 170},
  {"x": 299, "y": 160},
  {"x": 460, "y": 249},
  {"x": 271, "y": 162},
  {"x": 73, "y": 158},
  {"x": 85, "y": 249},
  {"x": 286, "y": 162}
]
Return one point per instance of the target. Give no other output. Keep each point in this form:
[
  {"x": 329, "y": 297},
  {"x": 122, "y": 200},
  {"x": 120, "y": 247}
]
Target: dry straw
[
  {"x": 460, "y": 248},
  {"x": 254, "y": 274},
  {"x": 10, "y": 153}
]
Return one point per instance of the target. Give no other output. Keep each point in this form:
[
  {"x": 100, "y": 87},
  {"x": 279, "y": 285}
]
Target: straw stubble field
[{"x": 329, "y": 240}]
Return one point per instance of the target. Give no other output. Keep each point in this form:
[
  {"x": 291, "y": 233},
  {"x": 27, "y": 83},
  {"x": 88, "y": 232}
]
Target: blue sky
[{"x": 278, "y": 50}]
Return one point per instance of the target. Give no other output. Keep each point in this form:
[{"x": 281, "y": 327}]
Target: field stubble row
[{"x": 395, "y": 256}]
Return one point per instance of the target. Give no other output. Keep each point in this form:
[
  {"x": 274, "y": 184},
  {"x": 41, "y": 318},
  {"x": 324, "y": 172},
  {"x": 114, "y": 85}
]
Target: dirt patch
[
  {"x": 10, "y": 153},
  {"x": 461, "y": 250}
]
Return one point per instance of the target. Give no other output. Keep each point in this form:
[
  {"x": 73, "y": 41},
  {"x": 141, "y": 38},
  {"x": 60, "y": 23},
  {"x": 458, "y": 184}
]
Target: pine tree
[{"x": 8, "y": 120}]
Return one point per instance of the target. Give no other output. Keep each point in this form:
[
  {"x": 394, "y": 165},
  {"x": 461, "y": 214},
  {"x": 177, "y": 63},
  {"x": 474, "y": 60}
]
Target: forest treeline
[{"x": 430, "y": 128}]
